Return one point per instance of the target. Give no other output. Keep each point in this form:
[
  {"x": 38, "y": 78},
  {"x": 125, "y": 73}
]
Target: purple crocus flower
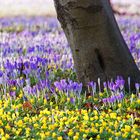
[
  {"x": 58, "y": 85},
  {"x": 105, "y": 85},
  {"x": 1, "y": 73},
  {"x": 80, "y": 87},
  {"x": 104, "y": 100},
  {"x": 72, "y": 100},
  {"x": 31, "y": 49},
  {"x": 47, "y": 74},
  {"x": 93, "y": 86},
  {"x": 63, "y": 84},
  {"x": 110, "y": 85},
  {"x": 113, "y": 99},
  {"x": 33, "y": 66},
  {"x": 137, "y": 86},
  {"x": 12, "y": 93},
  {"x": 120, "y": 82},
  {"x": 120, "y": 96}
]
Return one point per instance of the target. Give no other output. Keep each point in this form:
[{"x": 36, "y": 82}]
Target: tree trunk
[{"x": 98, "y": 48}]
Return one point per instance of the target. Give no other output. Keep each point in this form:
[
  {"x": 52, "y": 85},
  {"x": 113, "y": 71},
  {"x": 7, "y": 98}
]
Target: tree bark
[{"x": 98, "y": 48}]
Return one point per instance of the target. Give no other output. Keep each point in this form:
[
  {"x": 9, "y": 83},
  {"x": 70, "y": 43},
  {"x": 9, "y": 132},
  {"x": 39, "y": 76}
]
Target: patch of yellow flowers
[{"x": 59, "y": 124}]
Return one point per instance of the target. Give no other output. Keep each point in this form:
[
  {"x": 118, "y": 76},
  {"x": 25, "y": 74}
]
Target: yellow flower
[
  {"x": 96, "y": 124},
  {"x": 20, "y": 123},
  {"x": 13, "y": 88},
  {"x": 136, "y": 132},
  {"x": 135, "y": 126},
  {"x": 132, "y": 96},
  {"x": 70, "y": 133},
  {"x": 104, "y": 123},
  {"x": 127, "y": 128},
  {"x": 45, "y": 101},
  {"x": 77, "y": 134},
  {"x": 47, "y": 133},
  {"x": 53, "y": 134},
  {"x": 95, "y": 99},
  {"x": 51, "y": 127},
  {"x": 98, "y": 137},
  {"x": 44, "y": 126},
  {"x": 68, "y": 99},
  {"x": 101, "y": 94},
  {"x": 138, "y": 101},
  {"x": 3, "y": 138},
  {"x": 17, "y": 113},
  {"x": 8, "y": 127},
  {"x": 118, "y": 118},
  {"x": 4, "y": 116},
  {"x": 14, "y": 106},
  {"x": 56, "y": 107},
  {"x": 113, "y": 115},
  {"x": 7, "y": 136},
  {"x": 124, "y": 135},
  {"x": 36, "y": 125},
  {"x": 110, "y": 139},
  {"x": 60, "y": 129},
  {"x": 75, "y": 138},
  {"x": 96, "y": 117},
  {"x": 101, "y": 130},
  {"x": 117, "y": 134},
  {"x": 119, "y": 105},
  {"x": 87, "y": 131},
  {"x": 124, "y": 121},
  {"x": 18, "y": 132},
  {"x": 95, "y": 112},
  {"x": 13, "y": 116},
  {"x": 56, "y": 89},
  {"x": 128, "y": 116},
  {"x": 13, "y": 130},
  {"x": 109, "y": 130},
  {"x": 27, "y": 130},
  {"x": 67, "y": 123},
  {"x": 60, "y": 138},
  {"x": 20, "y": 95},
  {"x": 84, "y": 136},
  {"x": 5, "y": 104},
  {"x": 1, "y": 123},
  {"x": 46, "y": 112},
  {"x": 51, "y": 103},
  {"x": 107, "y": 116},
  {"x": 1, "y": 131},
  {"x": 91, "y": 118},
  {"x": 42, "y": 135},
  {"x": 34, "y": 119},
  {"x": 32, "y": 101},
  {"x": 122, "y": 130},
  {"x": 132, "y": 136},
  {"x": 86, "y": 118},
  {"x": 94, "y": 130},
  {"x": 26, "y": 119},
  {"x": 128, "y": 109}
]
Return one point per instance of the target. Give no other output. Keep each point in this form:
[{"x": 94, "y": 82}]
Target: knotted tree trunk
[{"x": 98, "y": 48}]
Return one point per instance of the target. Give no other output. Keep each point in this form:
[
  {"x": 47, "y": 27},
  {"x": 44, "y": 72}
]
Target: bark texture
[{"x": 98, "y": 48}]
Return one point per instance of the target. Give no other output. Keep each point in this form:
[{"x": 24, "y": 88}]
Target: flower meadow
[{"x": 40, "y": 96}]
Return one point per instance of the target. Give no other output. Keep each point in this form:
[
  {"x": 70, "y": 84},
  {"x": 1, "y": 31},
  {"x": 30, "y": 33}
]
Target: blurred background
[{"x": 46, "y": 7}]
